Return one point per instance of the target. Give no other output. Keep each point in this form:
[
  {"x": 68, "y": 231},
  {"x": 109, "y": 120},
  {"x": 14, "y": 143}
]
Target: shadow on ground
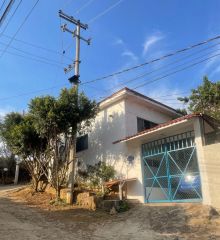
[{"x": 36, "y": 220}]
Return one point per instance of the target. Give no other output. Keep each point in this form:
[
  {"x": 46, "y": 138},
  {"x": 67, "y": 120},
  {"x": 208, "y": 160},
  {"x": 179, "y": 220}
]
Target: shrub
[{"x": 97, "y": 174}]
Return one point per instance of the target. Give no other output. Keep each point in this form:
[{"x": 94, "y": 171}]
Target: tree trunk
[
  {"x": 58, "y": 189},
  {"x": 35, "y": 184}
]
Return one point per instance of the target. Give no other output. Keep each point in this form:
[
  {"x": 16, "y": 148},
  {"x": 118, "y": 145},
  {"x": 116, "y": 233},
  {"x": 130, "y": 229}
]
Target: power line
[
  {"x": 167, "y": 71},
  {"x": 154, "y": 97},
  {"x": 13, "y": 14},
  {"x": 18, "y": 30},
  {"x": 168, "y": 95},
  {"x": 77, "y": 12},
  {"x": 62, "y": 49},
  {"x": 32, "y": 92},
  {"x": 105, "y": 11},
  {"x": 67, "y": 3},
  {"x": 2, "y": 5},
  {"x": 133, "y": 88},
  {"x": 55, "y": 87},
  {"x": 84, "y": 6},
  {"x": 171, "y": 72},
  {"x": 35, "y": 46},
  {"x": 5, "y": 13},
  {"x": 154, "y": 60},
  {"x": 174, "y": 72},
  {"x": 31, "y": 54},
  {"x": 34, "y": 59},
  {"x": 148, "y": 73},
  {"x": 165, "y": 66}
]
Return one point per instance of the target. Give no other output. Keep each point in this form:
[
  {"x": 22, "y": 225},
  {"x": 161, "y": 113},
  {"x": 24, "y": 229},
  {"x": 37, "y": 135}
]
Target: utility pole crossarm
[
  {"x": 65, "y": 29},
  {"x": 72, "y": 20},
  {"x": 77, "y": 35}
]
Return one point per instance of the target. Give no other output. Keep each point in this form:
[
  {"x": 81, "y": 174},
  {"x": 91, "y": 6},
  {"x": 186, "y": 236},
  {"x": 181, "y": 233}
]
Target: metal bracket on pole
[
  {"x": 65, "y": 29},
  {"x": 69, "y": 68}
]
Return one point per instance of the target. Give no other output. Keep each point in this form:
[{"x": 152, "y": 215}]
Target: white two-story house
[{"x": 159, "y": 155}]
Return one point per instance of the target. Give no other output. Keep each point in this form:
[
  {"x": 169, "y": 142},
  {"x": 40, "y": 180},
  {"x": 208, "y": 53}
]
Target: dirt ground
[{"x": 24, "y": 216}]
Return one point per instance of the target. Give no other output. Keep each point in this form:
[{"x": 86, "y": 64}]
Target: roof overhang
[
  {"x": 126, "y": 93},
  {"x": 180, "y": 124}
]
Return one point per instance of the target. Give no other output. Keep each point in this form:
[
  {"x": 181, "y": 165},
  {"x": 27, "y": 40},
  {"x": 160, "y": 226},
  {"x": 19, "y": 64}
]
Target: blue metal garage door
[{"x": 171, "y": 172}]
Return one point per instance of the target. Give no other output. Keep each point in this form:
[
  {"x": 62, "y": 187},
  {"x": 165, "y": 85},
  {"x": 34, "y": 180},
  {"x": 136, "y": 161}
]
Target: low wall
[{"x": 212, "y": 166}]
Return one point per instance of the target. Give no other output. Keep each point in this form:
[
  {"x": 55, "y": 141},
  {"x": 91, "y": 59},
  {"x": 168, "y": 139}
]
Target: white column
[
  {"x": 201, "y": 161},
  {"x": 16, "y": 174},
  {"x": 120, "y": 191}
]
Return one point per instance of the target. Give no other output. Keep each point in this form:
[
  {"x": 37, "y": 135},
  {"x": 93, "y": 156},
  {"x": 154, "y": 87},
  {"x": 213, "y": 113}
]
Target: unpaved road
[{"x": 18, "y": 221}]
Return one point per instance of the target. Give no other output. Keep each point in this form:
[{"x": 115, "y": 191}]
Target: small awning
[
  {"x": 160, "y": 127},
  {"x": 118, "y": 182}
]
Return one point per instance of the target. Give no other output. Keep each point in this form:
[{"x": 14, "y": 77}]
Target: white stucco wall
[
  {"x": 135, "y": 189},
  {"x": 209, "y": 165},
  {"x": 212, "y": 165},
  {"x": 108, "y": 126},
  {"x": 201, "y": 161},
  {"x": 134, "y": 109},
  {"x": 114, "y": 122}
]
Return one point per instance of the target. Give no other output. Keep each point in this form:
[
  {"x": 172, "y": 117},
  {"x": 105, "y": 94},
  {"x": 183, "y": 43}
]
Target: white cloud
[
  {"x": 152, "y": 40},
  {"x": 131, "y": 58},
  {"x": 167, "y": 96},
  {"x": 118, "y": 41},
  {"x": 128, "y": 53}
]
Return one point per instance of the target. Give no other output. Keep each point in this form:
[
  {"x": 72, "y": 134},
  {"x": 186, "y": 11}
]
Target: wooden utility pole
[{"x": 74, "y": 80}]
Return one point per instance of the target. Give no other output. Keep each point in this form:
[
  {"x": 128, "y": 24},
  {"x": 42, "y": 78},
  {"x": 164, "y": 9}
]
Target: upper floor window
[
  {"x": 143, "y": 124},
  {"x": 82, "y": 143}
]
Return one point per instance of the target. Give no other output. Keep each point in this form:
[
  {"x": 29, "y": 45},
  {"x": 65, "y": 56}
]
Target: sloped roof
[
  {"x": 171, "y": 122},
  {"x": 139, "y": 95}
]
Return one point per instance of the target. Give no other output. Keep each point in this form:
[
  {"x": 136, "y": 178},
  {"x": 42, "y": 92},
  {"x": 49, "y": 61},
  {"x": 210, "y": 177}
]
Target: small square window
[
  {"x": 143, "y": 124},
  {"x": 82, "y": 143}
]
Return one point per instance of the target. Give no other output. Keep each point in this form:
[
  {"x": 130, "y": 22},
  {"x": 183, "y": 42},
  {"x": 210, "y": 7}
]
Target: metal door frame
[{"x": 164, "y": 148}]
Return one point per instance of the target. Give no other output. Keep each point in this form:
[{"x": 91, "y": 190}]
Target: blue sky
[{"x": 132, "y": 32}]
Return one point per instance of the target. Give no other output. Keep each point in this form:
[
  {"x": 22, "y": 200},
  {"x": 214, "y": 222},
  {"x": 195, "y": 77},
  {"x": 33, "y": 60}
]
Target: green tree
[
  {"x": 205, "y": 99},
  {"x": 98, "y": 174},
  {"x": 22, "y": 139},
  {"x": 59, "y": 120}
]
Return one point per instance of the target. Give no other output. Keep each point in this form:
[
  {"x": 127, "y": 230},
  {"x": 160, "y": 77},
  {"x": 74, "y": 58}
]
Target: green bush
[
  {"x": 123, "y": 207},
  {"x": 97, "y": 174}
]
